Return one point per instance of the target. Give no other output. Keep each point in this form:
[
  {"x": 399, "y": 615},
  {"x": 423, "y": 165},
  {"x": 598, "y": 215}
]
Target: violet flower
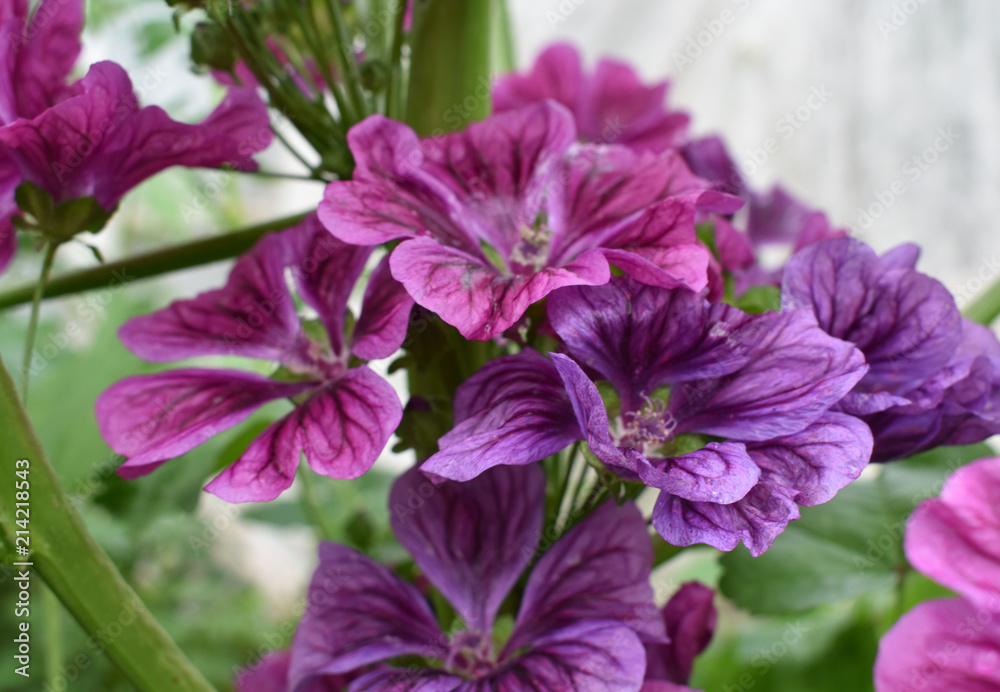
[
  {"x": 610, "y": 106},
  {"x": 345, "y": 413},
  {"x": 498, "y": 216},
  {"x": 586, "y": 609},
  {"x": 90, "y": 139},
  {"x": 750, "y": 394},
  {"x": 953, "y": 644},
  {"x": 934, "y": 377},
  {"x": 689, "y": 618}
]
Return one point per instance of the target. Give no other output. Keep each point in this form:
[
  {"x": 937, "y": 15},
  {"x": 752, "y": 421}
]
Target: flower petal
[
  {"x": 955, "y": 539},
  {"x": 270, "y": 674},
  {"x": 945, "y": 645},
  {"x": 253, "y": 316},
  {"x": 513, "y": 411},
  {"x": 406, "y": 680},
  {"x": 358, "y": 613},
  {"x": 720, "y": 472},
  {"x": 152, "y": 418},
  {"x": 342, "y": 428},
  {"x": 690, "y": 623},
  {"x": 452, "y": 531},
  {"x": 557, "y": 75},
  {"x": 385, "y": 316},
  {"x": 600, "y": 570}
]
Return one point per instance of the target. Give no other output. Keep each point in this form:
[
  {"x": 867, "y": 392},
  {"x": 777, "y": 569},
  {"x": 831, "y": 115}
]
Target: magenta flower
[
  {"x": 497, "y": 217},
  {"x": 344, "y": 414},
  {"x": 951, "y": 645},
  {"x": 934, "y": 377},
  {"x": 685, "y": 373},
  {"x": 586, "y": 609},
  {"x": 611, "y": 106}
]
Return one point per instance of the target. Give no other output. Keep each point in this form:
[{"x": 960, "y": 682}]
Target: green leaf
[
  {"x": 759, "y": 299},
  {"x": 847, "y": 547},
  {"x": 35, "y": 202}
]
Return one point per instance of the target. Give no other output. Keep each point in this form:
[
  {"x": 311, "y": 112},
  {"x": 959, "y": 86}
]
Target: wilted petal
[
  {"x": 955, "y": 539},
  {"x": 358, "y": 613},
  {"x": 471, "y": 294},
  {"x": 945, "y": 645},
  {"x": 690, "y": 623},
  {"x": 794, "y": 373},
  {"x": 152, "y": 418},
  {"x": 757, "y": 519},
  {"x": 513, "y": 411},
  {"x": 253, "y": 315},
  {"x": 457, "y": 537},
  {"x": 342, "y": 428},
  {"x": 385, "y": 316},
  {"x": 814, "y": 464},
  {"x": 598, "y": 571}
]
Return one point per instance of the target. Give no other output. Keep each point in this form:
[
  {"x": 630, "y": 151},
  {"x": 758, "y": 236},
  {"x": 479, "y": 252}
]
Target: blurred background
[{"x": 884, "y": 113}]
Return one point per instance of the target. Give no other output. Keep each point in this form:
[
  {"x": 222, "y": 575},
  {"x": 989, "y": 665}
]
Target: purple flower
[
  {"x": 934, "y": 378},
  {"x": 498, "y": 216},
  {"x": 270, "y": 674},
  {"x": 749, "y": 393},
  {"x": 344, "y": 414},
  {"x": 951, "y": 645},
  {"x": 611, "y": 106},
  {"x": 586, "y": 608},
  {"x": 689, "y": 617},
  {"x": 771, "y": 219}
]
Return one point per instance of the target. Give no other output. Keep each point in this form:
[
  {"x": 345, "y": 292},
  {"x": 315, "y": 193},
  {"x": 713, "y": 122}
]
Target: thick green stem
[
  {"x": 75, "y": 567},
  {"x": 193, "y": 254},
  {"x": 450, "y": 69},
  {"x": 986, "y": 308},
  {"x": 36, "y": 309}
]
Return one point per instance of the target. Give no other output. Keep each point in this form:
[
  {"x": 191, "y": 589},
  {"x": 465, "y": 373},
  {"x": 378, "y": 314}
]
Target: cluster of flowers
[{"x": 583, "y": 191}]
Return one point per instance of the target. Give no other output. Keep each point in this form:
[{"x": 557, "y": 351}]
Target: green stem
[
  {"x": 193, "y": 254},
  {"x": 348, "y": 63},
  {"x": 36, "y": 309},
  {"x": 310, "y": 505},
  {"x": 78, "y": 570},
  {"x": 986, "y": 308},
  {"x": 394, "y": 95},
  {"x": 54, "y": 653},
  {"x": 502, "y": 40}
]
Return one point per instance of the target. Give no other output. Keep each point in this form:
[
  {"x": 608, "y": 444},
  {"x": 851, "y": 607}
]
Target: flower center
[
  {"x": 532, "y": 251},
  {"x": 470, "y": 655},
  {"x": 649, "y": 427}
]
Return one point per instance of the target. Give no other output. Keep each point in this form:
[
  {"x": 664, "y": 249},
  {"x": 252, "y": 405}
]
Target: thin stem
[
  {"x": 310, "y": 505},
  {"x": 285, "y": 176},
  {"x": 348, "y": 63},
  {"x": 292, "y": 150},
  {"x": 394, "y": 95},
  {"x": 36, "y": 309},
  {"x": 193, "y": 254},
  {"x": 986, "y": 308}
]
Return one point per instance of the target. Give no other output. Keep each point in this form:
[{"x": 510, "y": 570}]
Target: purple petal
[
  {"x": 385, "y": 316},
  {"x": 359, "y": 613},
  {"x": 474, "y": 296},
  {"x": 906, "y": 323},
  {"x": 757, "y": 519},
  {"x": 955, "y": 539},
  {"x": 690, "y": 623},
  {"x": 795, "y": 372},
  {"x": 812, "y": 465},
  {"x": 600, "y": 570},
  {"x": 454, "y": 536},
  {"x": 325, "y": 271},
  {"x": 8, "y": 243},
  {"x": 945, "y": 645},
  {"x": 152, "y": 418},
  {"x": 252, "y": 316},
  {"x": 406, "y": 680},
  {"x": 270, "y": 674},
  {"x": 709, "y": 159},
  {"x": 556, "y": 75},
  {"x": 777, "y": 217},
  {"x": 342, "y": 429},
  {"x": 513, "y": 411},
  {"x": 903, "y": 256},
  {"x": 664, "y": 686},
  {"x": 720, "y": 472}
]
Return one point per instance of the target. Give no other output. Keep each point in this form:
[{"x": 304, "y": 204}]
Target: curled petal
[
  {"x": 720, "y": 472},
  {"x": 690, "y": 617}
]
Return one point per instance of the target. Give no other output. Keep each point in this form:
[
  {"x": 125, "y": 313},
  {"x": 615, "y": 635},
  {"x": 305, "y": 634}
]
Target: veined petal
[
  {"x": 342, "y": 428},
  {"x": 513, "y": 411},
  {"x": 453, "y": 532},
  {"x": 385, "y": 316},
  {"x": 152, "y": 418},
  {"x": 600, "y": 570},
  {"x": 358, "y": 613},
  {"x": 721, "y": 472},
  {"x": 406, "y": 680}
]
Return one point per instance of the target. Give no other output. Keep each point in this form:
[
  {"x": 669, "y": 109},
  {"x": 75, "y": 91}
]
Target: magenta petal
[
  {"x": 557, "y": 75},
  {"x": 342, "y": 428},
  {"x": 385, "y": 316},
  {"x": 946, "y": 645},
  {"x": 452, "y": 531},
  {"x": 253, "y": 315},
  {"x": 690, "y": 622},
  {"x": 473, "y": 295},
  {"x": 955, "y": 539},
  {"x": 594, "y": 655},
  {"x": 600, "y": 570},
  {"x": 8, "y": 243},
  {"x": 513, "y": 411},
  {"x": 359, "y": 613},
  {"x": 152, "y": 418},
  {"x": 270, "y": 674}
]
